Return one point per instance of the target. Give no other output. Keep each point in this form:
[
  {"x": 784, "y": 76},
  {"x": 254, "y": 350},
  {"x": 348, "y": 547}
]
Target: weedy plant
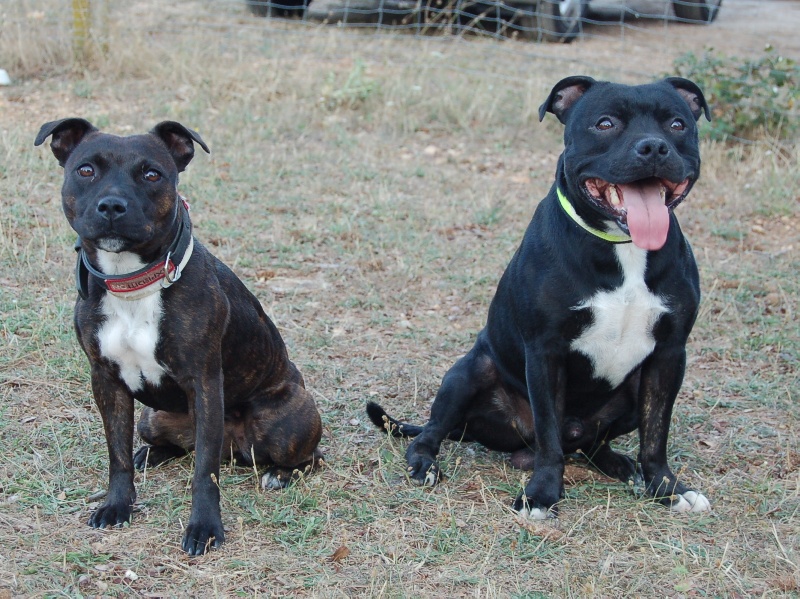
[
  {"x": 751, "y": 98},
  {"x": 356, "y": 89}
]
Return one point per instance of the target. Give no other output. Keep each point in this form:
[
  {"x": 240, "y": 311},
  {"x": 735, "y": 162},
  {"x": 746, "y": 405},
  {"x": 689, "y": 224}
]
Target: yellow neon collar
[{"x": 570, "y": 210}]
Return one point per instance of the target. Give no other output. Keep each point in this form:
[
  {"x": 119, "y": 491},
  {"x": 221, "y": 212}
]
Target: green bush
[{"x": 749, "y": 98}]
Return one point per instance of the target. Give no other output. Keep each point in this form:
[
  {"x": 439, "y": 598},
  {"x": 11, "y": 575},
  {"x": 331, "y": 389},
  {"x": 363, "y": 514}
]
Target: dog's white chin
[{"x": 111, "y": 244}]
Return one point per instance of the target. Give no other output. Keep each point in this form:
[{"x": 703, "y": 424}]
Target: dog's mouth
[{"x": 640, "y": 208}]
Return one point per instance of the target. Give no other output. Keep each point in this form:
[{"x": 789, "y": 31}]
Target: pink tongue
[{"x": 648, "y": 216}]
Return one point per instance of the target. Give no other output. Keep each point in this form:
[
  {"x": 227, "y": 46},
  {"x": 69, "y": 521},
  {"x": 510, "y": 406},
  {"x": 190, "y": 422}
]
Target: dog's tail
[{"x": 395, "y": 428}]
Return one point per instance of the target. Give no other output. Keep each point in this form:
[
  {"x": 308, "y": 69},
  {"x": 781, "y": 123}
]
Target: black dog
[
  {"x": 164, "y": 322},
  {"x": 586, "y": 335}
]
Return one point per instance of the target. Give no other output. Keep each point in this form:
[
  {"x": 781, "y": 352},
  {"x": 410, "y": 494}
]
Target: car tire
[
  {"x": 560, "y": 20},
  {"x": 278, "y": 8},
  {"x": 696, "y": 11}
]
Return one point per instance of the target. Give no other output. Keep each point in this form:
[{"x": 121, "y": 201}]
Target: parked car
[
  {"x": 551, "y": 20},
  {"x": 560, "y": 20}
]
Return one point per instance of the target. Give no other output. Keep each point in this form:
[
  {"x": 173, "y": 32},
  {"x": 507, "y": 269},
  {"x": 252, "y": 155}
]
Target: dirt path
[{"x": 742, "y": 26}]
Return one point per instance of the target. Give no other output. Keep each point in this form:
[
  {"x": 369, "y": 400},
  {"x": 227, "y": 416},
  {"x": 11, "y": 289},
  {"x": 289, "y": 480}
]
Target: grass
[{"x": 370, "y": 190}]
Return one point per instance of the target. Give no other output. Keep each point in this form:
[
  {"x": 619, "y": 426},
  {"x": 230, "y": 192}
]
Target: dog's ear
[
  {"x": 564, "y": 95},
  {"x": 67, "y": 134},
  {"x": 693, "y": 95},
  {"x": 178, "y": 140}
]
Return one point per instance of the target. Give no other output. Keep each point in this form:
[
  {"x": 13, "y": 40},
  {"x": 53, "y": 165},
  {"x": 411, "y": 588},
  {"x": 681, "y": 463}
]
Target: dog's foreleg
[
  {"x": 205, "y": 529},
  {"x": 459, "y": 388},
  {"x": 115, "y": 403},
  {"x": 662, "y": 376},
  {"x": 545, "y": 381}
]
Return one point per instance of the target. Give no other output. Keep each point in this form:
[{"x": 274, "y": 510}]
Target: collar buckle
[{"x": 171, "y": 272}]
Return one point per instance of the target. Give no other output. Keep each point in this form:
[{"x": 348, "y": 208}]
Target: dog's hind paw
[
  {"x": 280, "y": 477},
  {"x": 431, "y": 478},
  {"x": 690, "y": 501},
  {"x": 150, "y": 456},
  {"x": 636, "y": 483},
  {"x": 274, "y": 481},
  {"x": 428, "y": 477}
]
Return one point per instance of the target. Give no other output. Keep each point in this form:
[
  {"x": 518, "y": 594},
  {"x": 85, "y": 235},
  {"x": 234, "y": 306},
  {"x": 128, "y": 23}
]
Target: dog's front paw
[
  {"x": 671, "y": 493},
  {"x": 532, "y": 510},
  {"x": 539, "y": 499},
  {"x": 201, "y": 537},
  {"x": 690, "y": 501},
  {"x": 111, "y": 514}
]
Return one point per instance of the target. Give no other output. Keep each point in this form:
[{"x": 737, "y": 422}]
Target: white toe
[
  {"x": 430, "y": 478},
  {"x": 698, "y": 501},
  {"x": 535, "y": 513},
  {"x": 539, "y": 514},
  {"x": 270, "y": 481},
  {"x": 680, "y": 505},
  {"x": 691, "y": 501}
]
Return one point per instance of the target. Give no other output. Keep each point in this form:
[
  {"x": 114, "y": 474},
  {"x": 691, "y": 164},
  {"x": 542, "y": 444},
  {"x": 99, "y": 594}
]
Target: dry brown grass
[{"x": 370, "y": 191}]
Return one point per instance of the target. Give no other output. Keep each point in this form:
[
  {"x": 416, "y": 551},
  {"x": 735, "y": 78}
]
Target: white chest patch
[
  {"x": 621, "y": 334},
  {"x": 129, "y": 335}
]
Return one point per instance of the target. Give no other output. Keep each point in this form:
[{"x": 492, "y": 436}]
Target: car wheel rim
[{"x": 569, "y": 8}]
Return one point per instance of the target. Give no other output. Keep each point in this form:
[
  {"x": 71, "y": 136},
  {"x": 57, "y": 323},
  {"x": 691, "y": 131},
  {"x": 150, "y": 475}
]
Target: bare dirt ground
[
  {"x": 743, "y": 26},
  {"x": 370, "y": 189}
]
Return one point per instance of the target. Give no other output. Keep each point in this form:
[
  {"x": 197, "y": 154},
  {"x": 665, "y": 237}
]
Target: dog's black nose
[
  {"x": 650, "y": 147},
  {"x": 111, "y": 208}
]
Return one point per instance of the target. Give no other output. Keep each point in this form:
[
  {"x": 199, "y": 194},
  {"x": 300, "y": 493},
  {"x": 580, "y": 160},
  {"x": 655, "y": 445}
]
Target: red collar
[{"x": 166, "y": 270}]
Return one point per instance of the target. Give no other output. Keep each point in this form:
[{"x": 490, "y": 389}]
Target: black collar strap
[{"x": 143, "y": 282}]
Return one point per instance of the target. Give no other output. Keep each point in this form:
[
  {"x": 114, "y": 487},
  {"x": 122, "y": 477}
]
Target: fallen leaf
[{"x": 340, "y": 554}]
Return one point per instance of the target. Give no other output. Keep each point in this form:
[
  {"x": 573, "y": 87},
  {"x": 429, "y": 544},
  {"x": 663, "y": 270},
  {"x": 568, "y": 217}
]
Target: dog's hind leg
[
  {"x": 169, "y": 435},
  {"x": 279, "y": 477},
  {"x": 467, "y": 380},
  {"x": 283, "y": 434},
  {"x": 614, "y": 464}
]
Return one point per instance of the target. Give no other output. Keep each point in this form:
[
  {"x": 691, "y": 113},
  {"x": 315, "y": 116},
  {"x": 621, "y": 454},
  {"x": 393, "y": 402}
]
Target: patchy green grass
[{"x": 370, "y": 190}]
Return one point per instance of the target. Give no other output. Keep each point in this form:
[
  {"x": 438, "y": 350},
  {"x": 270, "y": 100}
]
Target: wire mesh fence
[
  {"x": 540, "y": 20},
  {"x": 628, "y": 40},
  {"x": 748, "y": 24}
]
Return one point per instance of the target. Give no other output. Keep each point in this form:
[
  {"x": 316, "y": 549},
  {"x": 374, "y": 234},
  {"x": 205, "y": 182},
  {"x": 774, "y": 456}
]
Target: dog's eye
[
  {"x": 604, "y": 124},
  {"x": 86, "y": 170},
  {"x": 677, "y": 125},
  {"x": 152, "y": 175}
]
